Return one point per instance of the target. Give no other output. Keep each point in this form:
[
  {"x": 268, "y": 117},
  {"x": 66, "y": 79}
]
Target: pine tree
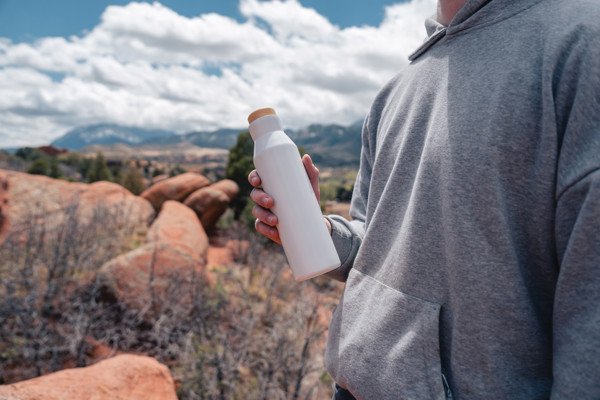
[
  {"x": 239, "y": 165},
  {"x": 98, "y": 171},
  {"x": 132, "y": 181},
  {"x": 39, "y": 167},
  {"x": 55, "y": 171}
]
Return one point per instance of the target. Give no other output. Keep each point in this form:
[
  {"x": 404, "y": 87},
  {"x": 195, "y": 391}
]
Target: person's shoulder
[{"x": 561, "y": 15}]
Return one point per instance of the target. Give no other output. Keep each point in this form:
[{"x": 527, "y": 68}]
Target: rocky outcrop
[
  {"x": 159, "y": 178},
  {"x": 227, "y": 186},
  {"x": 212, "y": 201},
  {"x": 161, "y": 269},
  {"x": 209, "y": 204},
  {"x": 175, "y": 188},
  {"x": 124, "y": 377},
  {"x": 178, "y": 227},
  {"x": 33, "y": 199}
]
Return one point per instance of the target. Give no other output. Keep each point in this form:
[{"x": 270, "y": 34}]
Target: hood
[{"x": 473, "y": 14}]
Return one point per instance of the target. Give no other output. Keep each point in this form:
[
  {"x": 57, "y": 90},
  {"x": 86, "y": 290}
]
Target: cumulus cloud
[{"x": 145, "y": 65}]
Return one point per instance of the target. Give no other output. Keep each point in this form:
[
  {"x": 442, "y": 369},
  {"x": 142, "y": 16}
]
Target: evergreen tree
[
  {"x": 239, "y": 165},
  {"x": 39, "y": 167},
  {"x": 133, "y": 181},
  {"x": 176, "y": 171},
  {"x": 98, "y": 170},
  {"x": 29, "y": 153},
  {"x": 55, "y": 171}
]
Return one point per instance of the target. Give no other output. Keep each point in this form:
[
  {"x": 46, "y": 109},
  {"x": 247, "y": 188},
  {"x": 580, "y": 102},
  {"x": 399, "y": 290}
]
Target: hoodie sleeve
[
  {"x": 347, "y": 235},
  {"x": 576, "y": 314}
]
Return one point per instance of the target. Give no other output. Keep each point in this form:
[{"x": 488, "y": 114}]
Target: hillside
[
  {"x": 329, "y": 145},
  {"x": 105, "y": 134}
]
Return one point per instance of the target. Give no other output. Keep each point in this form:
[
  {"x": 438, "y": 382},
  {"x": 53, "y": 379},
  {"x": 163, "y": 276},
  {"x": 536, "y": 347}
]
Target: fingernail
[
  {"x": 254, "y": 180},
  {"x": 265, "y": 200},
  {"x": 270, "y": 220}
]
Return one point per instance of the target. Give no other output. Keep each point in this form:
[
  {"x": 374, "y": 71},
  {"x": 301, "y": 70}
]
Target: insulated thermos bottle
[{"x": 304, "y": 235}]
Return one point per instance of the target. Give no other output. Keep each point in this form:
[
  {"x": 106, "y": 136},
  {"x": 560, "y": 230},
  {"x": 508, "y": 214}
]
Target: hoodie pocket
[{"x": 384, "y": 344}]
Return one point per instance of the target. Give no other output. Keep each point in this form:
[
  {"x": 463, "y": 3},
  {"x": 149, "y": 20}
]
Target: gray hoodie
[{"x": 472, "y": 263}]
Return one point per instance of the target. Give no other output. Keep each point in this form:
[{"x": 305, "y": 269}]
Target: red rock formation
[
  {"x": 151, "y": 275},
  {"x": 209, "y": 204},
  {"x": 124, "y": 377},
  {"x": 175, "y": 188},
  {"x": 159, "y": 178},
  {"x": 52, "y": 151},
  {"x": 178, "y": 226},
  {"x": 227, "y": 186},
  {"x": 174, "y": 255},
  {"x": 26, "y": 199}
]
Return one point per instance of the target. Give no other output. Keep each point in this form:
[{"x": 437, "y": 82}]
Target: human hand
[{"x": 266, "y": 221}]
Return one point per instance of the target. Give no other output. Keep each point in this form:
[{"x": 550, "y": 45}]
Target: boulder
[
  {"x": 161, "y": 270},
  {"x": 175, "y": 188},
  {"x": 159, "y": 178},
  {"x": 34, "y": 199},
  {"x": 179, "y": 227},
  {"x": 209, "y": 204},
  {"x": 153, "y": 274},
  {"x": 124, "y": 377},
  {"x": 227, "y": 186}
]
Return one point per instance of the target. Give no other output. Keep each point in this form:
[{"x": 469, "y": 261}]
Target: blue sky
[
  {"x": 196, "y": 65},
  {"x": 27, "y": 20}
]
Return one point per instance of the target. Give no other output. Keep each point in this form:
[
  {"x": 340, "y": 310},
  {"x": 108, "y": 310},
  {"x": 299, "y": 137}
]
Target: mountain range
[
  {"x": 328, "y": 145},
  {"x": 104, "y": 134}
]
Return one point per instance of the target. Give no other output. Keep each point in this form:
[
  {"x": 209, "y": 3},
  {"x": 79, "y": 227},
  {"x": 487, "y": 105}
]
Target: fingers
[
  {"x": 266, "y": 221},
  {"x": 264, "y": 215},
  {"x": 261, "y": 198},
  {"x": 254, "y": 179},
  {"x": 269, "y": 231},
  {"x": 313, "y": 175}
]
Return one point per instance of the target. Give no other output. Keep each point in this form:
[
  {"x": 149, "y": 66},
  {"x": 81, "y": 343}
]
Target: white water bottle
[{"x": 304, "y": 235}]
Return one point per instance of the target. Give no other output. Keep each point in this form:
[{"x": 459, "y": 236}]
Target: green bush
[{"x": 39, "y": 167}]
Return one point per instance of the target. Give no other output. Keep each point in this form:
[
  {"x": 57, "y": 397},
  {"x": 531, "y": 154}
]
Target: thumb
[{"x": 313, "y": 175}]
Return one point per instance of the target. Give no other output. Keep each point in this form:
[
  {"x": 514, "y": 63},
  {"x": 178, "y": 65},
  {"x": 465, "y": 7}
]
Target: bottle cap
[{"x": 261, "y": 112}]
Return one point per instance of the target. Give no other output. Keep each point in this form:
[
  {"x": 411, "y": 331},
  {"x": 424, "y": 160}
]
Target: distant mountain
[
  {"x": 328, "y": 145},
  {"x": 219, "y": 139},
  {"x": 105, "y": 134}
]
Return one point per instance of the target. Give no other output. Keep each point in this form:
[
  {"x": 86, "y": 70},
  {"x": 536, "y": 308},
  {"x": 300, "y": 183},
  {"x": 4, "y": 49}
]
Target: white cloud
[{"x": 144, "y": 65}]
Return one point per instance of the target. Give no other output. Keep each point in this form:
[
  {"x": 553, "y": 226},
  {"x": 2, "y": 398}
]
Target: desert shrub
[
  {"x": 244, "y": 330},
  {"x": 43, "y": 263},
  {"x": 133, "y": 181},
  {"x": 39, "y": 167}
]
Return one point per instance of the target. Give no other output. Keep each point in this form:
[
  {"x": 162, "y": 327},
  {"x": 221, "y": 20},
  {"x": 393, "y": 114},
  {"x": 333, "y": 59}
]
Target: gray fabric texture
[{"x": 472, "y": 263}]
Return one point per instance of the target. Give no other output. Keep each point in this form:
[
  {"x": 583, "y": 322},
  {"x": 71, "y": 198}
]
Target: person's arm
[
  {"x": 576, "y": 312},
  {"x": 576, "y": 316}
]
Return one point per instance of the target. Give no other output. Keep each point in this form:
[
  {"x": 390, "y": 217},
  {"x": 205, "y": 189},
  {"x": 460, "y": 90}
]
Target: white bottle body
[{"x": 304, "y": 235}]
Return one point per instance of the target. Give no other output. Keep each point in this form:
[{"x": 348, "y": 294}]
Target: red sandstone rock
[
  {"x": 124, "y": 377},
  {"x": 162, "y": 270},
  {"x": 179, "y": 227},
  {"x": 159, "y": 178},
  {"x": 175, "y": 188},
  {"x": 209, "y": 204},
  {"x": 27, "y": 199},
  {"x": 227, "y": 186},
  {"x": 153, "y": 274}
]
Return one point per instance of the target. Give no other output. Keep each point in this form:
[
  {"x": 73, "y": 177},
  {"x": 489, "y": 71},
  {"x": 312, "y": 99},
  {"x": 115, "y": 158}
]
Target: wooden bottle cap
[{"x": 261, "y": 112}]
